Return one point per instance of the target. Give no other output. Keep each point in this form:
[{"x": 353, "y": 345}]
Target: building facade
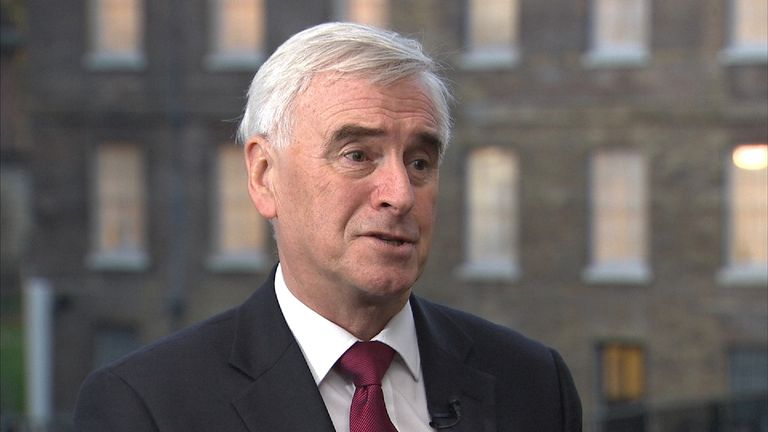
[{"x": 603, "y": 193}]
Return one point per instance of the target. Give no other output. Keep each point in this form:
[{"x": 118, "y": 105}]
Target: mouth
[{"x": 392, "y": 239}]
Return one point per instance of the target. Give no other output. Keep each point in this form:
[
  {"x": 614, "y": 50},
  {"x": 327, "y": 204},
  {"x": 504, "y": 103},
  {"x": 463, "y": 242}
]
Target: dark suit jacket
[{"x": 243, "y": 371}]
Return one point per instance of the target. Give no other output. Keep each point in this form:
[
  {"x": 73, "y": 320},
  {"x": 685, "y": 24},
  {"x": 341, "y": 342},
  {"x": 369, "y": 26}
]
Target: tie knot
[{"x": 366, "y": 362}]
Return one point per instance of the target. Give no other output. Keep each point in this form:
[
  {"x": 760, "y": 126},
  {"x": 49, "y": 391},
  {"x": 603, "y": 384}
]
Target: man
[{"x": 343, "y": 135}]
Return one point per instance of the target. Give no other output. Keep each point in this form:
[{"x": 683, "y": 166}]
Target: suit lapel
[
  {"x": 444, "y": 349},
  {"x": 265, "y": 350}
]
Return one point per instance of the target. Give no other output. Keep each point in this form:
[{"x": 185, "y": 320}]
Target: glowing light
[{"x": 751, "y": 156}]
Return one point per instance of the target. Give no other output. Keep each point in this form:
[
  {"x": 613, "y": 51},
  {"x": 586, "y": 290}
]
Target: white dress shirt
[{"x": 323, "y": 342}]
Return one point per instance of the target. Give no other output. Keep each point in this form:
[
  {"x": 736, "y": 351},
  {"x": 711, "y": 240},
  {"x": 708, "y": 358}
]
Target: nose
[{"x": 393, "y": 191}]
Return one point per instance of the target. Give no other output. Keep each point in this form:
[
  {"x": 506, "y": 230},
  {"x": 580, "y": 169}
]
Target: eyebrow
[
  {"x": 431, "y": 140},
  {"x": 353, "y": 131},
  {"x": 349, "y": 131}
]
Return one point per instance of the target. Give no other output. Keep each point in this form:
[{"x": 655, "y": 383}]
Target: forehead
[{"x": 334, "y": 99}]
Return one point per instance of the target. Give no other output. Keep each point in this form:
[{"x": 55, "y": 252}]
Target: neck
[
  {"x": 363, "y": 316},
  {"x": 364, "y": 322}
]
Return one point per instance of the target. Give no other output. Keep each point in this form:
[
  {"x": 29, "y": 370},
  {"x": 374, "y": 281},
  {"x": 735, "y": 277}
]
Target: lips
[
  {"x": 392, "y": 241},
  {"x": 392, "y": 238}
]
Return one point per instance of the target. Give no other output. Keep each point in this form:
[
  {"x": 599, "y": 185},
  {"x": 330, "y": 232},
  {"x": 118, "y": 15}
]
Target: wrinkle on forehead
[{"x": 334, "y": 101}]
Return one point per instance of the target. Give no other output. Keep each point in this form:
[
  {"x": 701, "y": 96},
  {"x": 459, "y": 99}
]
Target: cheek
[
  {"x": 304, "y": 191},
  {"x": 332, "y": 206},
  {"x": 426, "y": 207}
]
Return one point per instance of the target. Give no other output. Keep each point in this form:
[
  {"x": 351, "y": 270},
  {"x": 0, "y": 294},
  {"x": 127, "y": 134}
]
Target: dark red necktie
[{"x": 366, "y": 363}]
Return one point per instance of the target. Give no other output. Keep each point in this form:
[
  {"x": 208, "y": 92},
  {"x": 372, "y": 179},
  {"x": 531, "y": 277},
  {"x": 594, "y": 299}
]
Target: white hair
[{"x": 382, "y": 56}]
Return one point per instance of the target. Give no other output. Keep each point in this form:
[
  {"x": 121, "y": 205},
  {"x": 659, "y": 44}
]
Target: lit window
[
  {"x": 622, "y": 373},
  {"x": 117, "y": 34},
  {"x": 238, "y": 31},
  {"x": 619, "y": 218},
  {"x": 748, "y": 39},
  {"x": 491, "y": 238},
  {"x": 492, "y": 32},
  {"x": 619, "y": 32},
  {"x": 118, "y": 208},
  {"x": 240, "y": 232},
  {"x": 370, "y": 12},
  {"x": 747, "y": 249}
]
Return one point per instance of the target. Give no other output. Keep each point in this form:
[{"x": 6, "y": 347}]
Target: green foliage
[{"x": 11, "y": 367}]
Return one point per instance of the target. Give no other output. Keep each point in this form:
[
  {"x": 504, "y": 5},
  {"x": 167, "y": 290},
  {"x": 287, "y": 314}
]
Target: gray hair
[{"x": 382, "y": 56}]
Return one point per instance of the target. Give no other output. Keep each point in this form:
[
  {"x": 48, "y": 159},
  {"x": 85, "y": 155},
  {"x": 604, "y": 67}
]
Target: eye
[
  {"x": 355, "y": 156},
  {"x": 420, "y": 164}
]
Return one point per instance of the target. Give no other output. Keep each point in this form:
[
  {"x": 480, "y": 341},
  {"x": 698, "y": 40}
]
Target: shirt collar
[{"x": 322, "y": 342}]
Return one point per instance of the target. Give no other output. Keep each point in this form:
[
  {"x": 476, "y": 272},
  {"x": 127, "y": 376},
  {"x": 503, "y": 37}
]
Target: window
[
  {"x": 237, "y": 34},
  {"x": 491, "y": 32},
  {"x": 748, "y": 370},
  {"x": 622, "y": 373},
  {"x": 747, "y": 249},
  {"x": 240, "y": 232},
  {"x": 117, "y": 31},
  {"x": 118, "y": 212},
  {"x": 748, "y": 32},
  {"x": 619, "y": 32},
  {"x": 370, "y": 12},
  {"x": 491, "y": 237},
  {"x": 619, "y": 218},
  {"x": 111, "y": 343}
]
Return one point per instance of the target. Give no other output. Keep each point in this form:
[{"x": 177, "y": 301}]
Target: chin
[{"x": 386, "y": 287}]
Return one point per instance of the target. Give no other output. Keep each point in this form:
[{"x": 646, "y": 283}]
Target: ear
[{"x": 260, "y": 165}]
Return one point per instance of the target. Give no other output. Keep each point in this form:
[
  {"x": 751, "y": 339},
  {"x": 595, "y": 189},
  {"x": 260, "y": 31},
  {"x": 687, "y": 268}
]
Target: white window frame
[
  {"x": 127, "y": 260},
  {"x": 506, "y": 56},
  {"x": 222, "y": 261},
  {"x": 736, "y": 52},
  {"x": 598, "y": 56},
  {"x": 638, "y": 272},
  {"x": 104, "y": 60},
  {"x": 734, "y": 273},
  {"x": 222, "y": 60},
  {"x": 505, "y": 268}
]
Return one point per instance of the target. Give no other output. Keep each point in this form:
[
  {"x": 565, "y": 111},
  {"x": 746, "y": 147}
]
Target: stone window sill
[{"x": 632, "y": 274}]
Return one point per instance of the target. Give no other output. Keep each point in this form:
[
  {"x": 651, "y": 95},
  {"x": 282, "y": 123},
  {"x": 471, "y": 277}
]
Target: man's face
[{"x": 355, "y": 190}]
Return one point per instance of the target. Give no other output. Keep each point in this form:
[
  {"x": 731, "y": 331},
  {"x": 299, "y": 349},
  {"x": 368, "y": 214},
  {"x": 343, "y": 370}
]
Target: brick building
[{"x": 591, "y": 197}]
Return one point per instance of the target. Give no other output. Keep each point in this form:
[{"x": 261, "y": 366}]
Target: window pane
[
  {"x": 112, "y": 343},
  {"x": 119, "y": 199},
  {"x": 749, "y": 205},
  {"x": 240, "y": 228},
  {"x": 619, "y": 209},
  {"x": 748, "y": 370},
  {"x": 118, "y": 27},
  {"x": 633, "y": 373},
  {"x": 611, "y": 373},
  {"x": 239, "y": 27},
  {"x": 371, "y": 12},
  {"x": 750, "y": 23},
  {"x": 492, "y": 188},
  {"x": 620, "y": 25},
  {"x": 492, "y": 24}
]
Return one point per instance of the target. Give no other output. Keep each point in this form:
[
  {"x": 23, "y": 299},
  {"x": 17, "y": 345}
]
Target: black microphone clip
[{"x": 449, "y": 419}]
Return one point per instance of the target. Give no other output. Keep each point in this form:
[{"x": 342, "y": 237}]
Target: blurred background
[{"x": 605, "y": 191}]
